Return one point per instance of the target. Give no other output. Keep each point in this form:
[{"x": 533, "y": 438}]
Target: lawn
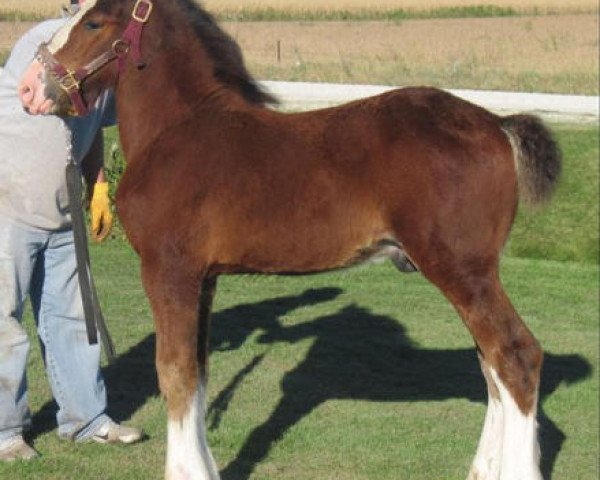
[
  {"x": 359, "y": 374},
  {"x": 567, "y": 228},
  {"x": 367, "y": 373}
]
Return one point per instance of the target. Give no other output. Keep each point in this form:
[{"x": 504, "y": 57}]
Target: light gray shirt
[{"x": 34, "y": 149}]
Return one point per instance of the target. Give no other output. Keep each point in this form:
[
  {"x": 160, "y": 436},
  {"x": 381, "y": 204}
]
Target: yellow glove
[{"x": 101, "y": 216}]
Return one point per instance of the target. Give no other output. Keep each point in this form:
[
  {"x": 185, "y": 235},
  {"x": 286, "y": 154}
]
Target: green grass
[
  {"x": 267, "y": 14},
  {"x": 318, "y": 14},
  {"x": 360, "y": 374},
  {"x": 370, "y": 375},
  {"x": 366, "y": 14},
  {"x": 567, "y": 228}
]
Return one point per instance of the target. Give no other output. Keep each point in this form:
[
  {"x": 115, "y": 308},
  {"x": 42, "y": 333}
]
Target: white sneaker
[
  {"x": 15, "y": 448},
  {"x": 112, "y": 432}
]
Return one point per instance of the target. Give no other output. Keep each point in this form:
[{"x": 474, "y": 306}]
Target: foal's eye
[{"x": 91, "y": 25}]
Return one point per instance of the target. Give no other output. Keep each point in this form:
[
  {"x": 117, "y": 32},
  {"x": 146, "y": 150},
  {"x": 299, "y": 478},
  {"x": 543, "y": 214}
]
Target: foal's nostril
[{"x": 25, "y": 93}]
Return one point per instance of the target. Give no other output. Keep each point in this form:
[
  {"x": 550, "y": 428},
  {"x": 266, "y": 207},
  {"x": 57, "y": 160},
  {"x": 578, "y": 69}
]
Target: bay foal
[{"x": 217, "y": 184}]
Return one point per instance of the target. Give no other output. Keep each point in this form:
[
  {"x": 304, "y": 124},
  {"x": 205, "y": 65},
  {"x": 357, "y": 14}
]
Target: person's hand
[{"x": 101, "y": 216}]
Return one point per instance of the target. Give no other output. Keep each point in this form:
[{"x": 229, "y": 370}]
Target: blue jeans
[{"x": 42, "y": 264}]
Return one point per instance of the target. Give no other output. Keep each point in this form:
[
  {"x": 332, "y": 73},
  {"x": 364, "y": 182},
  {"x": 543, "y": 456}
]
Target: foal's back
[{"x": 258, "y": 190}]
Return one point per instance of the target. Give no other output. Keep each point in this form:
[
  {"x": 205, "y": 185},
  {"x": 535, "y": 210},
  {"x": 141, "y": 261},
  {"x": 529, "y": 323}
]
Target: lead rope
[{"x": 94, "y": 320}]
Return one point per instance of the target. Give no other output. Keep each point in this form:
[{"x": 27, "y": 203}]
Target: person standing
[{"x": 37, "y": 259}]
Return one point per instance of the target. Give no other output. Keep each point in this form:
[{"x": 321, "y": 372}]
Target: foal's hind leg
[
  {"x": 511, "y": 360},
  {"x": 181, "y": 354},
  {"x": 489, "y": 451}
]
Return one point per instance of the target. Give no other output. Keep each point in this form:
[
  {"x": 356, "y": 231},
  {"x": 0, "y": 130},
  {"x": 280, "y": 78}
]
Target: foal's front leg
[{"x": 181, "y": 320}]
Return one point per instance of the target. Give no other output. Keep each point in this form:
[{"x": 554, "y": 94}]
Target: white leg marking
[
  {"x": 520, "y": 448},
  {"x": 486, "y": 465},
  {"x": 188, "y": 455}
]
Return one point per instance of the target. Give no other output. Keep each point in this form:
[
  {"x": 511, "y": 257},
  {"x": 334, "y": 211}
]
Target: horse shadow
[
  {"x": 355, "y": 355},
  {"x": 132, "y": 380}
]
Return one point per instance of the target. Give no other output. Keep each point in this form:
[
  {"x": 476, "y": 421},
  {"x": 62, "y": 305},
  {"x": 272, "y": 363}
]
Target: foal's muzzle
[{"x": 64, "y": 86}]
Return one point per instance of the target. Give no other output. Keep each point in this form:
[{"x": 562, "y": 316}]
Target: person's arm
[
  {"x": 97, "y": 188},
  {"x": 93, "y": 163}
]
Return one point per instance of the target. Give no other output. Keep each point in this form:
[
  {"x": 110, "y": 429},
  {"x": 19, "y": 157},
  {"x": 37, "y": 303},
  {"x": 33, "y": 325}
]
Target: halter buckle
[
  {"x": 69, "y": 82},
  {"x": 120, "y": 47},
  {"x": 139, "y": 14}
]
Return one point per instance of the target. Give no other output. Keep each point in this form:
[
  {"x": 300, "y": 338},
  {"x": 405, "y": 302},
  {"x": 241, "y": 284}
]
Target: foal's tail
[{"x": 538, "y": 157}]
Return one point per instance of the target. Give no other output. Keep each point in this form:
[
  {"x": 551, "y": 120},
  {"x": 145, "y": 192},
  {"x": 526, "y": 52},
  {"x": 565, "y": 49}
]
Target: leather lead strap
[{"x": 94, "y": 320}]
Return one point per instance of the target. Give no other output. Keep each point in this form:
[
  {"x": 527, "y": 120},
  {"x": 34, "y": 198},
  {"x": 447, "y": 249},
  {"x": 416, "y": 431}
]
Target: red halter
[{"x": 70, "y": 81}]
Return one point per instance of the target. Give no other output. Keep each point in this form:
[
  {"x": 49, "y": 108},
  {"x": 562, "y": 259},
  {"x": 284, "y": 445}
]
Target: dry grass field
[
  {"x": 525, "y": 6},
  {"x": 559, "y": 5},
  {"x": 545, "y": 53},
  {"x": 50, "y": 7}
]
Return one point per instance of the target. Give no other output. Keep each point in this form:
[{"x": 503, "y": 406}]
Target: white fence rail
[
  {"x": 559, "y": 108},
  {"x": 552, "y": 107}
]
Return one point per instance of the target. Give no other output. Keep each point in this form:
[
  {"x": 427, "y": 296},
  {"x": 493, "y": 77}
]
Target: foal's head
[
  {"x": 71, "y": 70},
  {"x": 104, "y": 39}
]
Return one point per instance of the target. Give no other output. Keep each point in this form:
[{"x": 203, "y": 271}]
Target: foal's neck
[{"x": 177, "y": 81}]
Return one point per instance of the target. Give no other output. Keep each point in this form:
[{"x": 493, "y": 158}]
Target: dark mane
[{"x": 225, "y": 54}]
